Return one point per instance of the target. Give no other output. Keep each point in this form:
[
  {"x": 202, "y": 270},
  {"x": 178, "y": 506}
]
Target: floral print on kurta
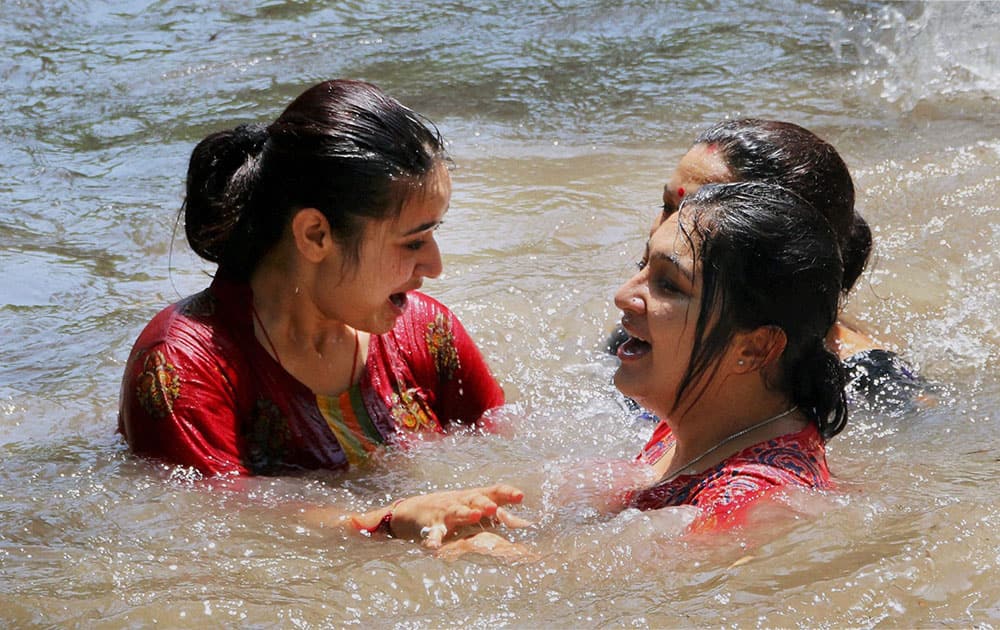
[
  {"x": 441, "y": 344},
  {"x": 199, "y": 389},
  {"x": 725, "y": 490},
  {"x": 157, "y": 386}
]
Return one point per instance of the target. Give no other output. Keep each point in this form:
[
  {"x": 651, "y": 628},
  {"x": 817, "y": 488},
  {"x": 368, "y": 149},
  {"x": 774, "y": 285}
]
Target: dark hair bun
[
  {"x": 251, "y": 136},
  {"x": 342, "y": 147},
  {"x": 220, "y": 179}
]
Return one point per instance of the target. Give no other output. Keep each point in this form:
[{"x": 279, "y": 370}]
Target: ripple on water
[{"x": 564, "y": 122}]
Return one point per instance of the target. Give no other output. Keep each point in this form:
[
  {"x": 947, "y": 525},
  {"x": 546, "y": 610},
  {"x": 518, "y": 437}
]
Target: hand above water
[{"x": 434, "y": 517}]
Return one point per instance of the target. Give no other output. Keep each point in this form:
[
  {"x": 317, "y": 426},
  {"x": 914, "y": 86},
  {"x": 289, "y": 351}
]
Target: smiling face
[
  {"x": 395, "y": 256},
  {"x": 660, "y": 306},
  {"x": 702, "y": 164}
]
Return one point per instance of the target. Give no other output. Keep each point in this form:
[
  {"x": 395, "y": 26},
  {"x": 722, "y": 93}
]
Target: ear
[
  {"x": 758, "y": 349},
  {"x": 312, "y": 235}
]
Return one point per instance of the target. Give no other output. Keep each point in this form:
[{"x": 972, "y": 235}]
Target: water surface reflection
[{"x": 564, "y": 120}]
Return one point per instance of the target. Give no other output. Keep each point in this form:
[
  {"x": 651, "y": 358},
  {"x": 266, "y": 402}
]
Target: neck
[
  {"x": 323, "y": 353},
  {"x": 719, "y": 425},
  {"x": 284, "y": 302}
]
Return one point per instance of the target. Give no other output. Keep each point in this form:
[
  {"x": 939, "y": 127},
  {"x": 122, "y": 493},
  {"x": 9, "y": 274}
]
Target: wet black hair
[
  {"x": 799, "y": 160},
  {"x": 343, "y": 147},
  {"x": 768, "y": 258}
]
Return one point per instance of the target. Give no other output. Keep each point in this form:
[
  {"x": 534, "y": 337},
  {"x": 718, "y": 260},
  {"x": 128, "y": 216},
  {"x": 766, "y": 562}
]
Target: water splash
[{"x": 923, "y": 53}]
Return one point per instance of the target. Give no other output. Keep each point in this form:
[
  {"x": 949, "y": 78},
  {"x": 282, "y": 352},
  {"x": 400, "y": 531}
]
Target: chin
[
  {"x": 381, "y": 327},
  {"x": 623, "y": 384},
  {"x": 384, "y": 324},
  {"x": 641, "y": 396},
  {"x": 375, "y": 324}
]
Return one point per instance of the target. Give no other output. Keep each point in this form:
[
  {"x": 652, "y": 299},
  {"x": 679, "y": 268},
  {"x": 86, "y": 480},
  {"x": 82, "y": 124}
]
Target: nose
[
  {"x": 431, "y": 266},
  {"x": 628, "y": 297}
]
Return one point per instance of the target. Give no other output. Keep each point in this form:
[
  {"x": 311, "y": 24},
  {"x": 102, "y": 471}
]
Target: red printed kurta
[
  {"x": 723, "y": 491},
  {"x": 199, "y": 389}
]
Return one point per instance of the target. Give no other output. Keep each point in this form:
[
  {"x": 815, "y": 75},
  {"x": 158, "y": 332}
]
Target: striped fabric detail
[{"x": 349, "y": 421}]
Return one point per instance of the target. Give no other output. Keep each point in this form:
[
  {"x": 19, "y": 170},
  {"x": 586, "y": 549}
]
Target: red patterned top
[
  {"x": 725, "y": 490},
  {"x": 199, "y": 389}
]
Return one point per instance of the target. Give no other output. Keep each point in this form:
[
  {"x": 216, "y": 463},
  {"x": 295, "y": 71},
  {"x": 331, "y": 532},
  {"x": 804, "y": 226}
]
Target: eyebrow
[
  {"x": 423, "y": 227},
  {"x": 676, "y": 262}
]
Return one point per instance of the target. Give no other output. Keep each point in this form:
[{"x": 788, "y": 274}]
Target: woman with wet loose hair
[
  {"x": 726, "y": 321},
  {"x": 312, "y": 347},
  {"x": 791, "y": 156}
]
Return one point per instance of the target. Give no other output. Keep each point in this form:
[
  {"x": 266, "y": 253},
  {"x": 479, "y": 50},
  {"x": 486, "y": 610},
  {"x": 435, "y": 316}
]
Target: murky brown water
[{"x": 564, "y": 119}]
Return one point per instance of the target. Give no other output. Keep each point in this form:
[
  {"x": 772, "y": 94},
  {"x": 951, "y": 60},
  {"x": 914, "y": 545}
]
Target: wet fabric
[
  {"x": 200, "y": 390},
  {"x": 880, "y": 379},
  {"x": 725, "y": 490}
]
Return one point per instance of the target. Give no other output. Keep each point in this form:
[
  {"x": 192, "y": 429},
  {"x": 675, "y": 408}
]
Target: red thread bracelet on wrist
[{"x": 385, "y": 523}]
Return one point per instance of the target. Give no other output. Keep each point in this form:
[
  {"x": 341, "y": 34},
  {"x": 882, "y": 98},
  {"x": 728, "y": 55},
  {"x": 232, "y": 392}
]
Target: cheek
[
  {"x": 672, "y": 323},
  {"x": 402, "y": 263},
  {"x": 384, "y": 265}
]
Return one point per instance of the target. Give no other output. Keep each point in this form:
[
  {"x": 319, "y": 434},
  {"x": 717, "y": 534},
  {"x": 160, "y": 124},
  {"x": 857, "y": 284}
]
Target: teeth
[{"x": 630, "y": 333}]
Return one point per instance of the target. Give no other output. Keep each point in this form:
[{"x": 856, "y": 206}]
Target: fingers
[
  {"x": 510, "y": 520},
  {"x": 482, "y": 503},
  {"x": 462, "y": 515},
  {"x": 485, "y": 503},
  {"x": 457, "y": 516},
  {"x": 437, "y": 516},
  {"x": 433, "y": 536},
  {"x": 503, "y": 494}
]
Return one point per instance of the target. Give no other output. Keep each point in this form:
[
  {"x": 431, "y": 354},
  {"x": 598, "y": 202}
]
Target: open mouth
[
  {"x": 398, "y": 300},
  {"x": 633, "y": 348}
]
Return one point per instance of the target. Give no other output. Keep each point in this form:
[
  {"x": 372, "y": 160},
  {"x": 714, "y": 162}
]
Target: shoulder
[
  {"x": 847, "y": 340},
  {"x": 181, "y": 388},
  {"x": 189, "y": 327},
  {"x": 794, "y": 459},
  {"x": 658, "y": 443},
  {"x": 194, "y": 337},
  {"x": 193, "y": 315}
]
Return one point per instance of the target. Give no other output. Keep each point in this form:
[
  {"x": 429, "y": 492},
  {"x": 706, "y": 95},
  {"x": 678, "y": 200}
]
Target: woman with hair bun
[
  {"x": 312, "y": 347},
  {"x": 726, "y": 320}
]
